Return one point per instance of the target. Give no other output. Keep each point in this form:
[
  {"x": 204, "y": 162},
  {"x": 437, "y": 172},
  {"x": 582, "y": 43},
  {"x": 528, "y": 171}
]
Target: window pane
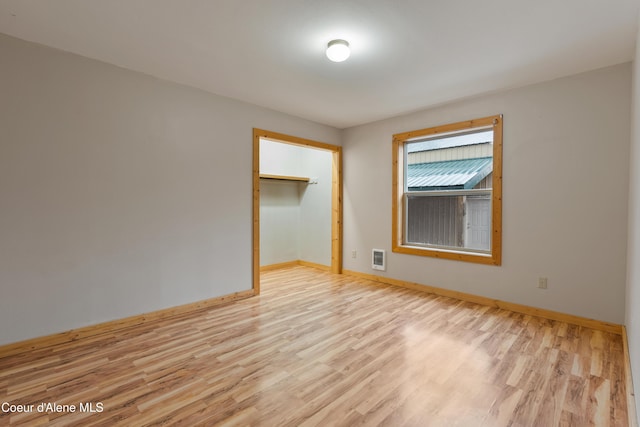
[
  {"x": 456, "y": 222},
  {"x": 450, "y": 162}
]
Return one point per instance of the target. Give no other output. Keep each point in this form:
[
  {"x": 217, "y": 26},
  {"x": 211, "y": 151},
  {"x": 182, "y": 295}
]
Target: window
[{"x": 447, "y": 191}]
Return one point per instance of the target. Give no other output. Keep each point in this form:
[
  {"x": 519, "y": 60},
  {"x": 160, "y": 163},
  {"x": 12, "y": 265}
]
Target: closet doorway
[{"x": 300, "y": 182}]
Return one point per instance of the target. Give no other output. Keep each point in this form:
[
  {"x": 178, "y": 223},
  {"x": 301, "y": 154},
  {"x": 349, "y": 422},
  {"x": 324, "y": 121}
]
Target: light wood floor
[{"x": 317, "y": 349}]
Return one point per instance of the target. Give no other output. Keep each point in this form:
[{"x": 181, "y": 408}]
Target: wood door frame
[{"x": 336, "y": 196}]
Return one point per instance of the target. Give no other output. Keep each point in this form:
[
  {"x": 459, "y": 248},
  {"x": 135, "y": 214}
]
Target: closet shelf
[{"x": 285, "y": 178}]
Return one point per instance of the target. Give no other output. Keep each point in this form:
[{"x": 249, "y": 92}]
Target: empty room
[{"x": 319, "y": 213}]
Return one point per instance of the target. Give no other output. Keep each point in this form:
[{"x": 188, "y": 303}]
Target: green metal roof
[{"x": 448, "y": 175}]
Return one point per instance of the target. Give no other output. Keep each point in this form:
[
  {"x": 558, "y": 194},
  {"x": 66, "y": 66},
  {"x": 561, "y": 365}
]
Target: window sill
[{"x": 474, "y": 257}]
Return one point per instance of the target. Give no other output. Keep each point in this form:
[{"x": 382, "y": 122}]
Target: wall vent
[{"x": 378, "y": 259}]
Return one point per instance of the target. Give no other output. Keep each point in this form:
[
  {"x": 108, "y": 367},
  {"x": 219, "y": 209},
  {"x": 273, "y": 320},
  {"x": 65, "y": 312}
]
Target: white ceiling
[{"x": 406, "y": 54}]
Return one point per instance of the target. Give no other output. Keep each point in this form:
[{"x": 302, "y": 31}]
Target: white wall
[
  {"x": 632, "y": 320},
  {"x": 295, "y": 218},
  {"x": 565, "y": 192},
  {"x": 119, "y": 193},
  {"x": 279, "y": 203},
  {"x": 279, "y": 222},
  {"x": 315, "y": 208}
]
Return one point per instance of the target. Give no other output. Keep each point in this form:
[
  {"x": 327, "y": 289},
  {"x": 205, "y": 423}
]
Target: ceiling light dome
[{"x": 338, "y": 50}]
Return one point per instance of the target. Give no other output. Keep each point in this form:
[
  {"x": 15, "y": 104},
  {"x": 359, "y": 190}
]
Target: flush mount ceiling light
[{"x": 338, "y": 50}]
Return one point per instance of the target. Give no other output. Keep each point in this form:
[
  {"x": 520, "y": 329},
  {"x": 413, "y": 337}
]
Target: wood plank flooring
[{"x": 318, "y": 349}]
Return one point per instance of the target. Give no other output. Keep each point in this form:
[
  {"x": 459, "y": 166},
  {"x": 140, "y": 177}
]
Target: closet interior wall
[{"x": 295, "y": 217}]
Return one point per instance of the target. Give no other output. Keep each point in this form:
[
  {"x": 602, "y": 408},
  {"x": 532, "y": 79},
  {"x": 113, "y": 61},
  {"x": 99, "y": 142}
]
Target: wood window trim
[{"x": 399, "y": 142}]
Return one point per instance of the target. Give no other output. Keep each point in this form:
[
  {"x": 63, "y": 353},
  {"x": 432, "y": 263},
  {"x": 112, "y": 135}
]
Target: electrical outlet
[
  {"x": 542, "y": 282},
  {"x": 354, "y": 253}
]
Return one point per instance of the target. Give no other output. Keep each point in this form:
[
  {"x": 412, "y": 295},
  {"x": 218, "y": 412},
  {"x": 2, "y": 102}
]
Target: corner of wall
[{"x": 632, "y": 291}]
